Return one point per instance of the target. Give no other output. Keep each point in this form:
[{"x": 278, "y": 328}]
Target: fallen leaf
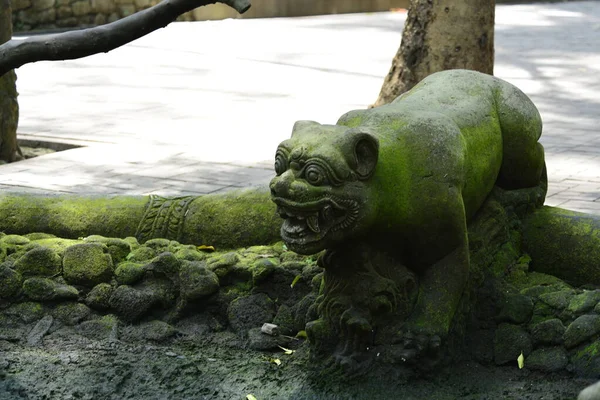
[
  {"x": 521, "y": 360},
  {"x": 207, "y": 249},
  {"x": 250, "y": 397},
  {"x": 275, "y": 361},
  {"x": 301, "y": 335},
  {"x": 286, "y": 351},
  {"x": 296, "y": 279}
]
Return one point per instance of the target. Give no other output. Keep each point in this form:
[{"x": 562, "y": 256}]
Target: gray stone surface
[{"x": 172, "y": 116}]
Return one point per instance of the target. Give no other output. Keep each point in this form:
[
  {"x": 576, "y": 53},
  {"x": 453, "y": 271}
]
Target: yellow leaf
[
  {"x": 301, "y": 335},
  {"x": 286, "y": 351},
  {"x": 296, "y": 279},
  {"x": 250, "y": 397},
  {"x": 521, "y": 360},
  {"x": 208, "y": 249},
  {"x": 276, "y": 361}
]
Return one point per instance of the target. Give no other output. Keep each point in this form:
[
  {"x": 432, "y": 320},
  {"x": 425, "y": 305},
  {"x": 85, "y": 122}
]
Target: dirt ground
[{"x": 220, "y": 366}]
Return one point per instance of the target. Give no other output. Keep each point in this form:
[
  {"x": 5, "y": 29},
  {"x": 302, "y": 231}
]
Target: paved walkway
[{"x": 198, "y": 107}]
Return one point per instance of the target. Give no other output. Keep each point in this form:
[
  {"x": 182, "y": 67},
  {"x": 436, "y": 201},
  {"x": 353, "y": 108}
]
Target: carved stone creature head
[{"x": 322, "y": 186}]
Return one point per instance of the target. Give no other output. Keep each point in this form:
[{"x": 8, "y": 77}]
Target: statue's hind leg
[{"x": 523, "y": 164}]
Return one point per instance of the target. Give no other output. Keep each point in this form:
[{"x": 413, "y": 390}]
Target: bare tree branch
[{"x": 82, "y": 43}]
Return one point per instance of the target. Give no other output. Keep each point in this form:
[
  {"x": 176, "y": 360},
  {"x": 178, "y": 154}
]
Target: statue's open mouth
[{"x": 310, "y": 222}]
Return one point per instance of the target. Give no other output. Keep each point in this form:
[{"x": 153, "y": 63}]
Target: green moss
[
  {"x": 196, "y": 281},
  {"x": 142, "y": 253},
  {"x": 71, "y": 313},
  {"x": 27, "y": 312},
  {"x": 10, "y": 282},
  {"x": 41, "y": 261},
  {"x": 71, "y": 216},
  {"x": 87, "y": 264},
  {"x": 585, "y": 361},
  {"x": 133, "y": 242},
  {"x": 564, "y": 243},
  {"x": 158, "y": 244},
  {"x": 39, "y": 236},
  {"x": 99, "y": 296},
  {"x": 57, "y": 244},
  {"x": 44, "y": 289},
  {"x": 584, "y": 302},
  {"x": 232, "y": 219},
  {"x": 190, "y": 255},
  {"x": 558, "y": 300},
  {"x": 165, "y": 264},
  {"x": 262, "y": 269},
  {"x": 117, "y": 248},
  {"x": 15, "y": 240},
  {"x": 128, "y": 273}
]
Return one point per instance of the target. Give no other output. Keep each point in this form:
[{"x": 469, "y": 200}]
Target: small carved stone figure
[{"x": 388, "y": 193}]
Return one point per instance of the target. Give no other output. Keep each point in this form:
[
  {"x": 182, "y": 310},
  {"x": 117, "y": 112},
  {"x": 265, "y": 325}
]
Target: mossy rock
[
  {"x": 548, "y": 359},
  {"x": 290, "y": 256},
  {"x": 196, "y": 281},
  {"x": 251, "y": 311},
  {"x": 558, "y": 300},
  {"x": 16, "y": 240},
  {"x": 585, "y": 360},
  {"x": 131, "y": 303},
  {"x": 262, "y": 342},
  {"x": 100, "y": 329},
  {"x": 509, "y": 341},
  {"x": 188, "y": 254},
  {"x": 142, "y": 254},
  {"x": 27, "y": 312},
  {"x": 41, "y": 261},
  {"x": 3, "y": 251},
  {"x": 128, "y": 273},
  {"x": 10, "y": 282},
  {"x": 165, "y": 264},
  {"x": 303, "y": 309},
  {"x": 262, "y": 269},
  {"x": 118, "y": 249},
  {"x": 154, "y": 330},
  {"x": 226, "y": 267},
  {"x": 218, "y": 261},
  {"x": 582, "y": 329},
  {"x": 87, "y": 264},
  {"x": 57, "y": 244},
  {"x": 284, "y": 319},
  {"x": 548, "y": 332},
  {"x": 39, "y": 236},
  {"x": 133, "y": 242},
  {"x": 159, "y": 244},
  {"x": 584, "y": 302},
  {"x": 516, "y": 308},
  {"x": 99, "y": 297},
  {"x": 44, "y": 289},
  {"x": 71, "y": 313}
]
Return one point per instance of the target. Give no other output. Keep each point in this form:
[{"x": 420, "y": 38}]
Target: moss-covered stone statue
[{"x": 388, "y": 193}]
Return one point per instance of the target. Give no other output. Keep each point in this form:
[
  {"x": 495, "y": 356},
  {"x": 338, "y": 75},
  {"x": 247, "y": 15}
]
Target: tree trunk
[
  {"x": 9, "y": 108},
  {"x": 440, "y": 35}
]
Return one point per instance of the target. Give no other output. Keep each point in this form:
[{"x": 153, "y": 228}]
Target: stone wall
[{"x": 61, "y": 14}]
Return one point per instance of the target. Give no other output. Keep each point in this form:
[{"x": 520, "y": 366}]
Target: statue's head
[{"x": 322, "y": 186}]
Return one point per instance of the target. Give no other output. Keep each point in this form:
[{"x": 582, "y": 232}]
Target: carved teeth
[{"x": 313, "y": 223}]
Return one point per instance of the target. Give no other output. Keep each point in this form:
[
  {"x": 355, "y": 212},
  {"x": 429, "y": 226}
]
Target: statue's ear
[
  {"x": 302, "y": 125},
  {"x": 366, "y": 152}
]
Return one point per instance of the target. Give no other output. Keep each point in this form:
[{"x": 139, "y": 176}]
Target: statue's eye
[
  {"x": 281, "y": 164},
  {"x": 314, "y": 175}
]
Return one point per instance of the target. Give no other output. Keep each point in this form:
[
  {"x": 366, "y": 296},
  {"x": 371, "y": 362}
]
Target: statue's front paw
[{"x": 421, "y": 349}]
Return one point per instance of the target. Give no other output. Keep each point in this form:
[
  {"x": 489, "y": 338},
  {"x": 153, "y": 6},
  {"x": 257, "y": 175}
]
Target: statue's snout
[{"x": 281, "y": 184}]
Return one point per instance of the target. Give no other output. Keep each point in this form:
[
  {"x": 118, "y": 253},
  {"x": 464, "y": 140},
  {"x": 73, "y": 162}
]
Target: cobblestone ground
[{"x": 198, "y": 107}]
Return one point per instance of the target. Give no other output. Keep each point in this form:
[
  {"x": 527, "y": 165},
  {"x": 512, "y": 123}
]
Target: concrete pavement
[{"x": 199, "y": 107}]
